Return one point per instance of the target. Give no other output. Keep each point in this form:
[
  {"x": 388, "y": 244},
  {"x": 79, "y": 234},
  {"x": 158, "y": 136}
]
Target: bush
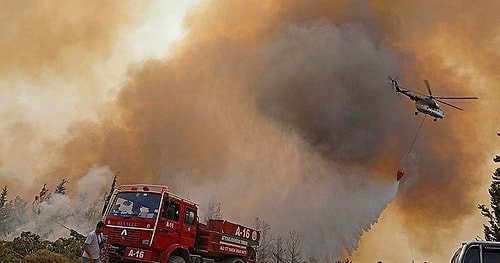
[
  {"x": 28, "y": 243},
  {"x": 8, "y": 255},
  {"x": 30, "y": 247},
  {"x": 68, "y": 247},
  {"x": 45, "y": 255}
]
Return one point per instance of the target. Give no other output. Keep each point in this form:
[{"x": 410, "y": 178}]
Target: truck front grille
[{"x": 124, "y": 236}]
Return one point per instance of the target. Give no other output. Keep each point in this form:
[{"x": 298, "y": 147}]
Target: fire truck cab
[{"x": 147, "y": 223}]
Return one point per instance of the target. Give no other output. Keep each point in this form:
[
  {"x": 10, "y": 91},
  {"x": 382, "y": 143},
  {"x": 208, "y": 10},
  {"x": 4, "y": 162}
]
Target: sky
[{"x": 281, "y": 110}]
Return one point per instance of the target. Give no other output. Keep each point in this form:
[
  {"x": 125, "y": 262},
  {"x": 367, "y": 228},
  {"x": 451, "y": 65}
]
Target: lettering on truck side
[
  {"x": 233, "y": 250},
  {"x": 234, "y": 240},
  {"x": 246, "y": 233}
]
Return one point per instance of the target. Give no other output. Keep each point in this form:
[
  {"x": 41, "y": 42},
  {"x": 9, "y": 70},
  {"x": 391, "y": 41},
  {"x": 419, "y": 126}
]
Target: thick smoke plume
[{"x": 283, "y": 109}]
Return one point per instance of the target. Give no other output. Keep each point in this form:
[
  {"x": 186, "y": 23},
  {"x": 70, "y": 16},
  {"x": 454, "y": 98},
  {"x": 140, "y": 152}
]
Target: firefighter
[{"x": 93, "y": 244}]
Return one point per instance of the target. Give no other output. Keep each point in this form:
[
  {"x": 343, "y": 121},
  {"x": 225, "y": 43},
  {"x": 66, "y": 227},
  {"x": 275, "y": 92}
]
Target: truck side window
[
  {"x": 190, "y": 216},
  {"x": 472, "y": 255},
  {"x": 171, "y": 211}
]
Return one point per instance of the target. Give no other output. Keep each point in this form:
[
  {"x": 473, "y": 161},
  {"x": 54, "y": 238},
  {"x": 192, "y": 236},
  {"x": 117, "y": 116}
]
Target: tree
[
  {"x": 43, "y": 193},
  {"x": 19, "y": 209},
  {"x": 5, "y": 212},
  {"x": 278, "y": 250},
  {"x": 214, "y": 210},
  {"x": 492, "y": 232},
  {"x": 41, "y": 197},
  {"x": 3, "y": 196},
  {"x": 108, "y": 198},
  {"x": 61, "y": 187},
  {"x": 264, "y": 250},
  {"x": 293, "y": 253},
  {"x": 313, "y": 260}
]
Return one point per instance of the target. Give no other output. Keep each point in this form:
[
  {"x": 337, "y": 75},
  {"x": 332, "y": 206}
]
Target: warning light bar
[
  {"x": 153, "y": 189},
  {"x": 145, "y": 187}
]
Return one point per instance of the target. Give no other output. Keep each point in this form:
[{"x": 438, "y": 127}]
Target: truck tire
[
  {"x": 176, "y": 259},
  {"x": 232, "y": 260}
]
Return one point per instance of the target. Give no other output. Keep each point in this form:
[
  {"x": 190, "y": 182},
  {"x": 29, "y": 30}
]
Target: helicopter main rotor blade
[
  {"x": 449, "y": 104},
  {"x": 456, "y": 98},
  {"x": 428, "y": 87}
]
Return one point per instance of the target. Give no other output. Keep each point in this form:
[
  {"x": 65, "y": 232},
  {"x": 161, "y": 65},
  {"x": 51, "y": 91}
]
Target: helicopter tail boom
[
  {"x": 395, "y": 84},
  {"x": 409, "y": 93}
]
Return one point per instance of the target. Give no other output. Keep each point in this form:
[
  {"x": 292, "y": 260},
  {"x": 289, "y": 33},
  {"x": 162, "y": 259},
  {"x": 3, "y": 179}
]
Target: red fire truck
[{"x": 148, "y": 223}]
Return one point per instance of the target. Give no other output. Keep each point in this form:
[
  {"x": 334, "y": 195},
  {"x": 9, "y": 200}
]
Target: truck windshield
[
  {"x": 491, "y": 254},
  {"x": 136, "y": 204}
]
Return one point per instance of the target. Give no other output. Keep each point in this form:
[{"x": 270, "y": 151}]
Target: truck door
[
  {"x": 169, "y": 226},
  {"x": 189, "y": 228}
]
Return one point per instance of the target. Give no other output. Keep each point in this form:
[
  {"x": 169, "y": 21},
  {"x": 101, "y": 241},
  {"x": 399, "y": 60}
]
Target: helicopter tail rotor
[{"x": 394, "y": 83}]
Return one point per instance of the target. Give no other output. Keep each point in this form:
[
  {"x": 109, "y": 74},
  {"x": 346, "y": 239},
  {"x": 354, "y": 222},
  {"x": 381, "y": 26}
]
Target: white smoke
[{"x": 79, "y": 211}]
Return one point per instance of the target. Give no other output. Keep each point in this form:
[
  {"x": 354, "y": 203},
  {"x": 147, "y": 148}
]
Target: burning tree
[
  {"x": 61, "y": 187},
  {"x": 492, "y": 232}
]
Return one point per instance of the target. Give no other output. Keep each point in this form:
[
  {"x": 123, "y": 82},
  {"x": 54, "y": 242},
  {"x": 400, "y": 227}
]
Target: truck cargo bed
[{"x": 224, "y": 237}]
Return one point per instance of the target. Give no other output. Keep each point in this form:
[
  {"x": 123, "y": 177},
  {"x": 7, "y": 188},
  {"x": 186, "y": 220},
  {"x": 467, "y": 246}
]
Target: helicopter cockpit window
[{"x": 136, "y": 204}]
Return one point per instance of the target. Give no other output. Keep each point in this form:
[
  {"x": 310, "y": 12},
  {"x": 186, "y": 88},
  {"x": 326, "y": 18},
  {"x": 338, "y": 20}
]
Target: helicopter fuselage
[
  {"x": 429, "y": 107},
  {"x": 425, "y": 105}
]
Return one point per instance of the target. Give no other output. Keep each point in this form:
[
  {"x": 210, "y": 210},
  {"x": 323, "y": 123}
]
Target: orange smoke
[{"x": 283, "y": 110}]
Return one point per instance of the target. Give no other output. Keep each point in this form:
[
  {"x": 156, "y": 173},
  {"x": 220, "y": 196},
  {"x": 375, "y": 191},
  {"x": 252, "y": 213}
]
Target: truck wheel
[
  {"x": 231, "y": 260},
  {"x": 176, "y": 259}
]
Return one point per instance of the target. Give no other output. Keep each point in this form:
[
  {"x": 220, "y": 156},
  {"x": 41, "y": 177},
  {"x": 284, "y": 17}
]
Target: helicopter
[{"x": 427, "y": 104}]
